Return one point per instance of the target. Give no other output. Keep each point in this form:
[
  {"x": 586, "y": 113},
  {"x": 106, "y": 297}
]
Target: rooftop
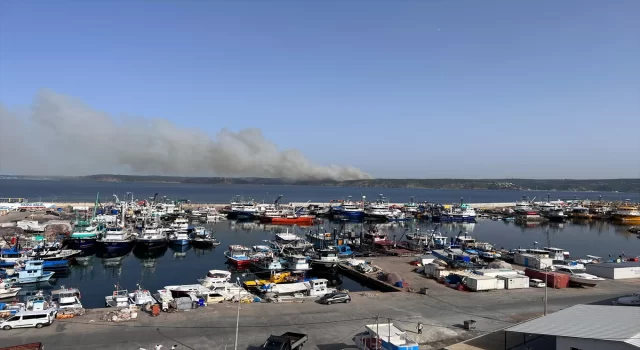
[{"x": 612, "y": 323}]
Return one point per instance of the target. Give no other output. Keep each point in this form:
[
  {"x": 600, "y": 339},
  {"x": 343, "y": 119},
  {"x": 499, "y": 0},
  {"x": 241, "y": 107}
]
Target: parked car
[
  {"x": 332, "y": 298},
  {"x": 536, "y": 283}
]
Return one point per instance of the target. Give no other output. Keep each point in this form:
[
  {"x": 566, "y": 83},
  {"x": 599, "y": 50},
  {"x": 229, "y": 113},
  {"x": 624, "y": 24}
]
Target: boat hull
[
  {"x": 204, "y": 243},
  {"x": 323, "y": 265},
  {"x": 9, "y": 293},
  {"x": 293, "y": 221},
  {"x": 453, "y": 218},
  {"x": 179, "y": 242},
  {"x": 81, "y": 243},
  {"x": 584, "y": 281},
  {"x": 46, "y": 275},
  {"x": 115, "y": 245},
  {"x": 151, "y": 244}
]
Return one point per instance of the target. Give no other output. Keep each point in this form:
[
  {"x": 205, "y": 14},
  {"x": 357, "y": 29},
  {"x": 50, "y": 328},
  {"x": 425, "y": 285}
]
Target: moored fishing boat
[
  {"x": 84, "y": 234},
  {"x": 238, "y": 255},
  {"x": 8, "y": 291},
  {"x": 347, "y": 210},
  {"x": 293, "y": 219},
  {"x": 151, "y": 238},
  {"x": 115, "y": 238},
  {"x": 215, "y": 277},
  {"x": 31, "y": 272},
  {"x": 627, "y": 214},
  {"x": 325, "y": 260},
  {"x": 66, "y": 298},
  {"x": 179, "y": 238}
]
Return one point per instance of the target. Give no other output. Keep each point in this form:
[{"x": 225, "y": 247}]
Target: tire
[
  {"x": 6, "y": 328},
  {"x": 347, "y": 301},
  {"x": 38, "y": 325},
  {"x": 329, "y": 302}
]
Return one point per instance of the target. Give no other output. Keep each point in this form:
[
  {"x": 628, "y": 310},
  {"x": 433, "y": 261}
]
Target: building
[
  {"x": 581, "y": 327},
  {"x": 615, "y": 271}
]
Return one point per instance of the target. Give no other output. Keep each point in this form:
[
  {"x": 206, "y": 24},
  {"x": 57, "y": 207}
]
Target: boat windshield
[
  {"x": 68, "y": 303},
  {"x": 215, "y": 275}
]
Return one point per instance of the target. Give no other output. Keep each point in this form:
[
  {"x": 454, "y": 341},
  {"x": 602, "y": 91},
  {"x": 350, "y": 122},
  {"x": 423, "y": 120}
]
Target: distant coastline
[{"x": 551, "y": 185}]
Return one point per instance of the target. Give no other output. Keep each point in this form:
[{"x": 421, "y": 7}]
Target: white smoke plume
[{"x": 60, "y": 135}]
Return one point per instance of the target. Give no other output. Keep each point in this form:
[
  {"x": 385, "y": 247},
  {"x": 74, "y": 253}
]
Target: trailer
[{"x": 286, "y": 341}]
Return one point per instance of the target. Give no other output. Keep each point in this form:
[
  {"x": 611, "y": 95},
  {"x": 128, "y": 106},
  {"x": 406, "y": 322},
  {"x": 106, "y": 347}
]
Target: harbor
[{"x": 182, "y": 256}]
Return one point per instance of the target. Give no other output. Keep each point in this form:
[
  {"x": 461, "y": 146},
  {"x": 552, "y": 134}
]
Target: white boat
[
  {"x": 215, "y": 277},
  {"x": 7, "y": 291},
  {"x": 556, "y": 253},
  {"x": 230, "y": 291},
  {"x": 312, "y": 288},
  {"x": 66, "y": 298},
  {"x": 179, "y": 238},
  {"x": 325, "y": 259},
  {"x": 190, "y": 290},
  {"x": 180, "y": 224},
  {"x": 384, "y": 336},
  {"x": 119, "y": 298},
  {"x": 141, "y": 297},
  {"x": 297, "y": 263},
  {"x": 286, "y": 237},
  {"x": 578, "y": 275},
  {"x": 632, "y": 300}
]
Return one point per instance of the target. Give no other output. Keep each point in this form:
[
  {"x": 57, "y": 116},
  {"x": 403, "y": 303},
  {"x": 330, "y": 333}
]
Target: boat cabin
[
  {"x": 329, "y": 255},
  {"x": 318, "y": 287},
  {"x": 555, "y": 253},
  {"x": 66, "y": 297},
  {"x": 298, "y": 262}
]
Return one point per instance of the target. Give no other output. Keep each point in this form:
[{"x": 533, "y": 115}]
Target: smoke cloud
[{"x": 60, "y": 135}]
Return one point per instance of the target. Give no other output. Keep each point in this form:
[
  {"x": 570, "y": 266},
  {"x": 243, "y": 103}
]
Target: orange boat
[{"x": 293, "y": 220}]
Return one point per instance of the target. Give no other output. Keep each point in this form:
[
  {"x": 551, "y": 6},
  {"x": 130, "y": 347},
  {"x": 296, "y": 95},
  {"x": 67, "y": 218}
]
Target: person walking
[{"x": 420, "y": 326}]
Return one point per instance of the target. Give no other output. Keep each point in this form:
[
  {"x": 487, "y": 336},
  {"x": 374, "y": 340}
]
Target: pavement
[{"x": 330, "y": 327}]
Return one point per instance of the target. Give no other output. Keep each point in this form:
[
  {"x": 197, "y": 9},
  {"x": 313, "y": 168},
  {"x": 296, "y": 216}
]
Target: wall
[{"x": 564, "y": 343}]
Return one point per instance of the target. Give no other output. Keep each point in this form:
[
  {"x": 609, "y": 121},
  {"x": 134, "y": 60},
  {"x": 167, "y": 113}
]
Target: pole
[
  {"x": 389, "y": 336},
  {"x": 546, "y": 281},
  {"x": 377, "y": 331},
  {"x": 235, "y": 346}
]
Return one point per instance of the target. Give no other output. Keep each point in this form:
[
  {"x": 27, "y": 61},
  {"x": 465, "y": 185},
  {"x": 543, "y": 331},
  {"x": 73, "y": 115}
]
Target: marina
[{"x": 197, "y": 255}]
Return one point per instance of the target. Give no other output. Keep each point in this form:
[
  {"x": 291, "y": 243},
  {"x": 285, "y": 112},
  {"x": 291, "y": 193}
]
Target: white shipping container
[
  {"x": 534, "y": 261},
  {"x": 482, "y": 283},
  {"x": 496, "y": 272},
  {"x": 515, "y": 282},
  {"x": 615, "y": 271}
]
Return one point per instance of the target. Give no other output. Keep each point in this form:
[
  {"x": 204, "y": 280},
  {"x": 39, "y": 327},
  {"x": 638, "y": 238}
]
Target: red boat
[{"x": 293, "y": 220}]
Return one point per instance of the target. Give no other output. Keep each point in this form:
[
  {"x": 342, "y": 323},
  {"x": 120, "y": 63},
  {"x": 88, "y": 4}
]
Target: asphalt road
[{"x": 329, "y": 327}]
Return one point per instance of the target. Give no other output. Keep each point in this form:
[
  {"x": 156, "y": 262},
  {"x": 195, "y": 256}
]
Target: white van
[{"x": 24, "y": 319}]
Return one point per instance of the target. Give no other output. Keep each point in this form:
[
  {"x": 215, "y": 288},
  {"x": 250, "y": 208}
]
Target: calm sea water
[
  {"x": 170, "y": 267},
  {"x": 85, "y": 191}
]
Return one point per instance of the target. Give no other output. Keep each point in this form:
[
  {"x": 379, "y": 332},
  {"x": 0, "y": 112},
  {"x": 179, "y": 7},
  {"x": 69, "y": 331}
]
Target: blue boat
[
  {"x": 32, "y": 272},
  {"x": 179, "y": 238},
  {"x": 344, "y": 251},
  {"x": 55, "y": 265},
  {"x": 347, "y": 210},
  {"x": 9, "y": 257},
  {"x": 115, "y": 238}
]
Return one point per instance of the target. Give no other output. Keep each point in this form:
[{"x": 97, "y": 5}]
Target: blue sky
[{"x": 397, "y": 88}]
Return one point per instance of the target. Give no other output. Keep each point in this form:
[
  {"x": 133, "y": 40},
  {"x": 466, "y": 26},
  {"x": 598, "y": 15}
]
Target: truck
[{"x": 286, "y": 341}]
